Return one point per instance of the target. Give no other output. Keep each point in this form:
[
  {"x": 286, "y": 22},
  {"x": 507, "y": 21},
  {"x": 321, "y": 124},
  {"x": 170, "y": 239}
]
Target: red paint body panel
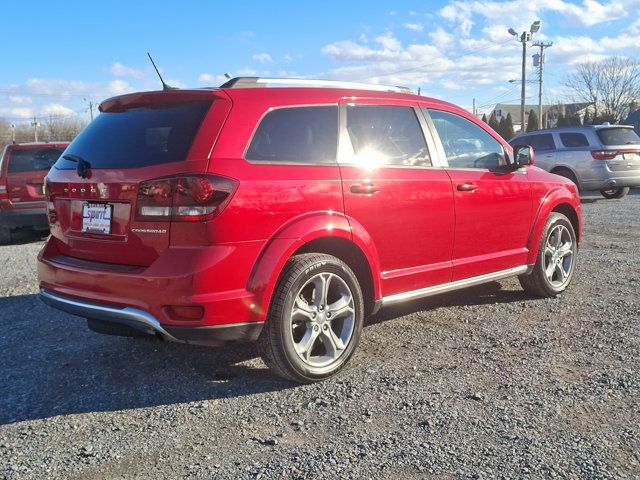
[{"x": 418, "y": 230}]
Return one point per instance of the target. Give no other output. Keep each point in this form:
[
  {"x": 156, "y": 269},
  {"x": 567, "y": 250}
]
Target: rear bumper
[
  {"x": 148, "y": 324},
  {"x": 24, "y": 217},
  {"x": 612, "y": 180}
]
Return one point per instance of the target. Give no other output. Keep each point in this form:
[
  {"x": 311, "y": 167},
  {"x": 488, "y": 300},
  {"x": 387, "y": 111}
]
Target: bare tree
[
  {"x": 610, "y": 86},
  {"x": 54, "y": 128}
]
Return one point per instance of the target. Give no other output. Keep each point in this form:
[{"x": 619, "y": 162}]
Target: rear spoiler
[{"x": 159, "y": 97}]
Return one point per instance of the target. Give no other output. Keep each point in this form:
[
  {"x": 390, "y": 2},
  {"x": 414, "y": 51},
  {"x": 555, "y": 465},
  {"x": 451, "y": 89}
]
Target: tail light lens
[
  {"x": 185, "y": 198},
  {"x": 604, "y": 154},
  {"x": 4, "y": 195}
]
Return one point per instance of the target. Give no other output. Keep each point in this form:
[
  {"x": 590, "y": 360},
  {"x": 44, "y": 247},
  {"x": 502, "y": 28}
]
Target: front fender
[
  {"x": 294, "y": 235},
  {"x": 556, "y": 196}
]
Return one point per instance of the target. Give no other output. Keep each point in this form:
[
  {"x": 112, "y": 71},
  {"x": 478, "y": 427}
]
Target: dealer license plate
[{"x": 96, "y": 217}]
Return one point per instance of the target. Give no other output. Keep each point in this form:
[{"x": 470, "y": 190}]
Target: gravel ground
[{"x": 482, "y": 384}]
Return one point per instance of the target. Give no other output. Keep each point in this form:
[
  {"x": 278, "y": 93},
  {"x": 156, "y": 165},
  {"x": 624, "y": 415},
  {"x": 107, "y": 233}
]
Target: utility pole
[
  {"x": 475, "y": 113},
  {"x": 91, "y": 105},
  {"x": 524, "y": 38},
  {"x": 538, "y": 61},
  {"x": 35, "y": 124},
  {"x": 13, "y": 133}
]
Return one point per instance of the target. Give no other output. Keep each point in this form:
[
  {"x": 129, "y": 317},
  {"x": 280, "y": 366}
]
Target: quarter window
[
  {"x": 386, "y": 135},
  {"x": 466, "y": 145},
  {"x": 573, "y": 140},
  {"x": 297, "y": 135},
  {"x": 540, "y": 143}
]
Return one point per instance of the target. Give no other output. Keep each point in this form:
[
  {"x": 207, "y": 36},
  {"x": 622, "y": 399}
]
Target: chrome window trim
[{"x": 275, "y": 162}]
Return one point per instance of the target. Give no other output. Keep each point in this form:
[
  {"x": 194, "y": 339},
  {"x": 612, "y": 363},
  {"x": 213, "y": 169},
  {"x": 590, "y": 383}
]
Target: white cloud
[
  {"x": 416, "y": 27},
  {"x": 263, "y": 58},
  {"x": 20, "y": 99},
  {"x": 57, "y": 109},
  {"x": 441, "y": 38},
  {"x": 120, "y": 70},
  {"x": 210, "y": 79},
  {"x": 118, "y": 87},
  {"x": 21, "y": 112}
]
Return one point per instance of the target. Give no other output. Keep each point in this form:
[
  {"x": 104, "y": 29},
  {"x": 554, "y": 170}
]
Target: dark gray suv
[{"x": 595, "y": 157}]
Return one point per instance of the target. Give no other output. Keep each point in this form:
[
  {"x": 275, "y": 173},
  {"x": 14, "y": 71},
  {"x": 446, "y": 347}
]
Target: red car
[
  {"x": 22, "y": 170},
  {"x": 286, "y": 215}
]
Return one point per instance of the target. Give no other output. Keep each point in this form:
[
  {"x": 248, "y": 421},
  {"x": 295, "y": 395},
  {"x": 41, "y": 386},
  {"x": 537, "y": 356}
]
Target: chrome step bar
[{"x": 451, "y": 286}]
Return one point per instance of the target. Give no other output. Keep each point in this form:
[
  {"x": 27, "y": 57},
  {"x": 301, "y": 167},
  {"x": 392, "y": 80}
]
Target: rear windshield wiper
[{"x": 83, "y": 165}]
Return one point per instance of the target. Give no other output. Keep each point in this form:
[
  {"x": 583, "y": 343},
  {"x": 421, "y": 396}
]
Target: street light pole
[{"x": 524, "y": 38}]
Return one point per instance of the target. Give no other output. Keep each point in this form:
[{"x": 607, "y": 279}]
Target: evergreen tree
[
  {"x": 493, "y": 122},
  {"x": 509, "y": 133},
  {"x": 501, "y": 128},
  {"x": 573, "y": 120},
  {"x": 532, "y": 122},
  {"x": 484, "y": 117},
  {"x": 588, "y": 119},
  {"x": 562, "y": 121}
]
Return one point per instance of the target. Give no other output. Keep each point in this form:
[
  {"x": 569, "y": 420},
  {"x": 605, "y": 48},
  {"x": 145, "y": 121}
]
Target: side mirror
[{"x": 524, "y": 155}]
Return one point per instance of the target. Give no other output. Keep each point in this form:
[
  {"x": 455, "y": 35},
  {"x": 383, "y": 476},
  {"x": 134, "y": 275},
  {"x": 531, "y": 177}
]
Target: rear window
[
  {"x": 573, "y": 140},
  {"x": 618, "y": 136},
  {"x": 540, "y": 143},
  {"x": 297, "y": 135},
  {"x": 33, "y": 160},
  {"x": 139, "y": 137}
]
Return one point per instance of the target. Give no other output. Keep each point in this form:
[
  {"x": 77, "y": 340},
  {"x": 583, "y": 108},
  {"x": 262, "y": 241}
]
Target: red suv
[
  {"x": 22, "y": 170},
  {"x": 286, "y": 215}
]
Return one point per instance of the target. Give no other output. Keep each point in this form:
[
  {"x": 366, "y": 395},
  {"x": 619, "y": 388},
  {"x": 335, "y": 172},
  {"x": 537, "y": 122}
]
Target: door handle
[
  {"x": 467, "y": 187},
  {"x": 364, "y": 188}
]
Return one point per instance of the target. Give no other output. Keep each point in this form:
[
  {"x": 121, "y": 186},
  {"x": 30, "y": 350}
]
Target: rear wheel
[
  {"x": 556, "y": 260},
  {"x": 315, "y": 319},
  {"x": 5, "y": 235},
  {"x": 614, "y": 192}
]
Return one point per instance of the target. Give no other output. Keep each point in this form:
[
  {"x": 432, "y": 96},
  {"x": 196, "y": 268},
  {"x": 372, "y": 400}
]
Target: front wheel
[
  {"x": 556, "y": 260},
  {"x": 614, "y": 192},
  {"x": 315, "y": 319}
]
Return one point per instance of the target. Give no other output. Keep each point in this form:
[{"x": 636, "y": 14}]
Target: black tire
[
  {"x": 5, "y": 236},
  {"x": 111, "y": 328},
  {"x": 566, "y": 173},
  {"x": 277, "y": 342},
  {"x": 537, "y": 282},
  {"x": 614, "y": 192}
]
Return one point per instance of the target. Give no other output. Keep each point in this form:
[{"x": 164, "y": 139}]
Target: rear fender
[
  {"x": 555, "y": 197},
  {"x": 294, "y": 235}
]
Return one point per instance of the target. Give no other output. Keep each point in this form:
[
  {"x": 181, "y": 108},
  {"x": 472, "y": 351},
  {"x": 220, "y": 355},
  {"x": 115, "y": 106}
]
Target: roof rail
[{"x": 258, "y": 82}]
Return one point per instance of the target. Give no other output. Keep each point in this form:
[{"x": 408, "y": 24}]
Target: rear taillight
[
  {"x": 185, "y": 198},
  {"x": 604, "y": 154},
  {"x": 4, "y": 195}
]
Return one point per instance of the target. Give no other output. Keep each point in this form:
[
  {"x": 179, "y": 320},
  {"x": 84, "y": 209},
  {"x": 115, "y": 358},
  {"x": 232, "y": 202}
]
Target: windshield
[
  {"x": 138, "y": 137},
  {"x": 618, "y": 136}
]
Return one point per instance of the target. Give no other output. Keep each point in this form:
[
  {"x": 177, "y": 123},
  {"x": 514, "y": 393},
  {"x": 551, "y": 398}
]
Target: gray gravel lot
[{"x": 482, "y": 383}]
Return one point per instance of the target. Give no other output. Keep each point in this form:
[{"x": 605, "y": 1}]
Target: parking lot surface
[{"x": 481, "y": 383}]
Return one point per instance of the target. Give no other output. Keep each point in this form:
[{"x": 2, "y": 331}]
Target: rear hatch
[
  {"x": 621, "y": 148},
  {"x": 110, "y": 194},
  {"x": 26, "y": 167}
]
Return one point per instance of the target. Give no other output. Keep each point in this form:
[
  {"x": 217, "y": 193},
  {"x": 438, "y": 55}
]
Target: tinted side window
[
  {"x": 297, "y": 134},
  {"x": 540, "y": 143},
  {"x": 387, "y": 135},
  {"x": 33, "y": 160},
  {"x": 573, "y": 140},
  {"x": 465, "y": 144}
]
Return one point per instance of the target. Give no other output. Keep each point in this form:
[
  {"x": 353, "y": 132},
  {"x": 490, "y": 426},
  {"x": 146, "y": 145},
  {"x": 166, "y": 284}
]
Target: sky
[{"x": 58, "y": 56}]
